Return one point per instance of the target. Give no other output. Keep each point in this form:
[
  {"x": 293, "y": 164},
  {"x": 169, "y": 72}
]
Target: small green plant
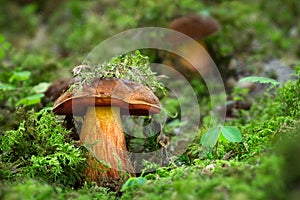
[
  {"x": 259, "y": 79},
  {"x": 4, "y": 46},
  {"x": 35, "y": 93},
  {"x": 23, "y": 93},
  {"x": 133, "y": 182},
  {"x": 222, "y": 133}
]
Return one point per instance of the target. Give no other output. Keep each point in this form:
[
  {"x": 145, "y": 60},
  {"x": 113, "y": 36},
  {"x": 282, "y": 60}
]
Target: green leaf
[
  {"x": 231, "y": 133},
  {"x": 40, "y": 88},
  {"x": 133, "y": 182},
  {"x": 4, "y": 86},
  {"x": 210, "y": 138},
  {"x": 222, "y": 138},
  {"x": 31, "y": 100},
  {"x": 20, "y": 76},
  {"x": 258, "y": 79},
  {"x": 4, "y": 46}
]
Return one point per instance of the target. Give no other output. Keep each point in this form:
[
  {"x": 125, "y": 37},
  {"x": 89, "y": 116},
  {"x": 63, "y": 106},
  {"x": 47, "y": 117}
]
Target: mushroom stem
[{"x": 102, "y": 133}]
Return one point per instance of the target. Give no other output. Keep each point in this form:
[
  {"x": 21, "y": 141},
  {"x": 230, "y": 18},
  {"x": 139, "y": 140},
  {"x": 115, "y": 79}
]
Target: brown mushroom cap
[
  {"x": 57, "y": 87},
  {"x": 131, "y": 97},
  {"x": 195, "y": 26}
]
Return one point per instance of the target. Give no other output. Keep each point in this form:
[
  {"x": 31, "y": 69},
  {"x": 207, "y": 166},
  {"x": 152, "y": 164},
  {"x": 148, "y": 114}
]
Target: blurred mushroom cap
[{"x": 195, "y": 26}]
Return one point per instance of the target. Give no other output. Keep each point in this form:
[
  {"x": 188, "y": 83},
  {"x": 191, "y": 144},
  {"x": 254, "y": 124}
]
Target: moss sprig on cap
[{"x": 133, "y": 66}]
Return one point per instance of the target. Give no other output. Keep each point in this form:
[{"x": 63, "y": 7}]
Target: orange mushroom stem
[{"x": 102, "y": 132}]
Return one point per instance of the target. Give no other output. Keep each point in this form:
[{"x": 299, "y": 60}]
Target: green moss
[
  {"x": 28, "y": 189},
  {"x": 270, "y": 115},
  {"x": 224, "y": 179},
  {"x": 134, "y": 67},
  {"x": 31, "y": 189},
  {"x": 40, "y": 147},
  {"x": 289, "y": 149}
]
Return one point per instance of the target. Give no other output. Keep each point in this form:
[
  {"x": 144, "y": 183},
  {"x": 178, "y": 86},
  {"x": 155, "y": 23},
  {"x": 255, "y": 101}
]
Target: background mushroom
[
  {"x": 197, "y": 27},
  {"x": 101, "y": 104},
  {"x": 57, "y": 87}
]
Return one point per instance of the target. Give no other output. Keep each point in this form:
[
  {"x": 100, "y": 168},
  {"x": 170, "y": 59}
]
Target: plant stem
[{"x": 216, "y": 149}]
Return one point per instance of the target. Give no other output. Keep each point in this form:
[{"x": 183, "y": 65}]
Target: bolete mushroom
[
  {"x": 101, "y": 104},
  {"x": 197, "y": 27},
  {"x": 57, "y": 87}
]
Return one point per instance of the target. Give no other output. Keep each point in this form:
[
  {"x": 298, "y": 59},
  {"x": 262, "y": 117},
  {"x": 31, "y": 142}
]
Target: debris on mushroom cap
[
  {"x": 78, "y": 69},
  {"x": 131, "y": 97},
  {"x": 195, "y": 26},
  {"x": 132, "y": 66}
]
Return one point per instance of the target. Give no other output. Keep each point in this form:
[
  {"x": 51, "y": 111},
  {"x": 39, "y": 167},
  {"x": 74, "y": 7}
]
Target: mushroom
[
  {"x": 197, "y": 27},
  {"x": 57, "y": 87},
  {"x": 101, "y": 104}
]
